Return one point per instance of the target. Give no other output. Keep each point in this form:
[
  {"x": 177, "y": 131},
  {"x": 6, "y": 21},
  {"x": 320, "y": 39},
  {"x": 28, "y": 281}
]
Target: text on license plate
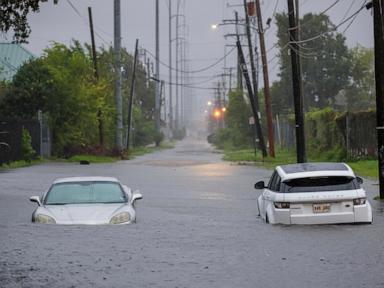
[{"x": 321, "y": 208}]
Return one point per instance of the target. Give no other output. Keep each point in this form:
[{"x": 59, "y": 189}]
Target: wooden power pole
[
  {"x": 131, "y": 94},
  {"x": 244, "y": 69},
  {"x": 296, "y": 83},
  {"x": 255, "y": 93},
  {"x": 267, "y": 97},
  {"x": 378, "y": 20}
]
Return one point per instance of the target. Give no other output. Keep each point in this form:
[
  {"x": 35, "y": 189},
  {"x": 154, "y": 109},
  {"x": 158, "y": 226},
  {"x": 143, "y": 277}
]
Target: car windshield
[
  {"x": 85, "y": 192},
  {"x": 318, "y": 184}
]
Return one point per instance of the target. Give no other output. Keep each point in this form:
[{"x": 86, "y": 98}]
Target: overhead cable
[
  {"x": 331, "y": 30},
  {"x": 192, "y": 71}
]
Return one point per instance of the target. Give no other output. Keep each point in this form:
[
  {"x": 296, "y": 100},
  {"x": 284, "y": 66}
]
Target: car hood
[{"x": 83, "y": 213}]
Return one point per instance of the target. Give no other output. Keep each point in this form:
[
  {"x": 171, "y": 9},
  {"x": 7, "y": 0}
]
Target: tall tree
[
  {"x": 14, "y": 14},
  {"x": 325, "y": 62},
  {"x": 360, "y": 93}
]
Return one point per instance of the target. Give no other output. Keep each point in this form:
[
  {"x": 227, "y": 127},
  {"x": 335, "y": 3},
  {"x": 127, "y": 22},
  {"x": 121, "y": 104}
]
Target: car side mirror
[
  {"x": 136, "y": 196},
  {"x": 260, "y": 185},
  {"x": 359, "y": 180},
  {"x": 36, "y": 199}
]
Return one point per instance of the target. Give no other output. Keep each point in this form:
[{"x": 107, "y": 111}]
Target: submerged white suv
[{"x": 314, "y": 193}]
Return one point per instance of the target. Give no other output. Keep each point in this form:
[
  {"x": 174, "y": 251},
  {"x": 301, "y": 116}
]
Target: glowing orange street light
[{"x": 217, "y": 113}]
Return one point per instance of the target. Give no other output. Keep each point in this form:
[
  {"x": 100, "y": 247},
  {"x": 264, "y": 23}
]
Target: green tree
[
  {"x": 32, "y": 89},
  {"x": 61, "y": 83},
  {"x": 27, "y": 150},
  {"x": 14, "y": 17},
  {"x": 237, "y": 134},
  {"x": 144, "y": 97},
  {"x": 360, "y": 93},
  {"x": 74, "y": 115},
  {"x": 325, "y": 63}
]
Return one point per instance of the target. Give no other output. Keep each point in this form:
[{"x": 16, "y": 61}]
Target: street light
[
  {"x": 217, "y": 114},
  {"x": 215, "y": 26}
]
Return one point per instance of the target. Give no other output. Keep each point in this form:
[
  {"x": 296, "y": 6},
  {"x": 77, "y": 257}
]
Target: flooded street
[{"x": 197, "y": 226}]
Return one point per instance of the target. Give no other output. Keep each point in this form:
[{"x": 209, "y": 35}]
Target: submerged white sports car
[
  {"x": 86, "y": 200},
  {"x": 314, "y": 193}
]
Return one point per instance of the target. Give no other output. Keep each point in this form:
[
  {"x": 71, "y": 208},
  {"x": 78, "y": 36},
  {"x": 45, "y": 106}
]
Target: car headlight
[
  {"x": 120, "y": 218},
  {"x": 359, "y": 201},
  {"x": 41, "y": 218}
]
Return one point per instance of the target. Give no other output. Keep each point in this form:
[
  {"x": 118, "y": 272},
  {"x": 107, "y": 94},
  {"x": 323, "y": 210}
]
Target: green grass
[
  {"x": 248, "y": 155},
  {"x": 20, "y": 164},
  {"x": 90, "y": 158},
  {"x": 365, "y": 168},
  {"x": 93, "y": 159},
  {"x": 137, "y": 151}
]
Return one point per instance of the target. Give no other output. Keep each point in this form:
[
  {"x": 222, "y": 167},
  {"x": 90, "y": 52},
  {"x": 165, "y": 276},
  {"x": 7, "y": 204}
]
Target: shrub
[
  {"x": 159, "y": 136},
  {"x": 27, "y": 150}
]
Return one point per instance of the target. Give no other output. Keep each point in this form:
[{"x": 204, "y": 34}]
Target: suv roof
[{"x": 304, "y": 170}]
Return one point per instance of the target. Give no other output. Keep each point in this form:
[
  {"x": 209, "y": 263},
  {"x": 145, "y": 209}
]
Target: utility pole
[
  {"x": 170, "y": 65},
  {"x": 95, "y": 70},
  {"x": 267, "y": 96},
  {"x": 239, "y": 73},
  {"x": 177, "y": 118},
  {"x": 162, "y": 101},
  {"x": 378, "y": 20},
  {"x": 157, "y": 84},
  {"x": 118, "y": 98},
  {"x": 251, "y": 58},
  {"x": 148, "y": 64},
  {"x": 130, "y": 101},
  {"x": 182, "y": 78},
  {"x": 251, "y": 98},
  {"x": 96, "y": 74},
  {"x": 297, "y": 86},
  {"x": 255, "y": 93}
]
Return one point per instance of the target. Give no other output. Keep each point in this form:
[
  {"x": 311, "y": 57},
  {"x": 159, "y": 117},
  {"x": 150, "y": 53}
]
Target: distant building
[{"x": 12, "y": 56}]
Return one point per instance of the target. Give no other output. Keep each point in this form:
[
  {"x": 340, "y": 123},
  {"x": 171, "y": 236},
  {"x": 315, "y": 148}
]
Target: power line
[
  {"x": 333, "y": 29},
  {"x": 193, "y": 71},
  {"x": 350, "y": 23},
  {"x": 321, "y": 13},
  {"x": 349, "y": 9},
  {"x": 86, "y": 21},
  {"x": 330, "y": 7}
]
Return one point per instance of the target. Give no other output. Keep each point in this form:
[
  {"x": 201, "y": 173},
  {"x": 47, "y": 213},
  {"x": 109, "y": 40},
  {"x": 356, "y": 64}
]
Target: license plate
[{"x": 321, "y": 208}]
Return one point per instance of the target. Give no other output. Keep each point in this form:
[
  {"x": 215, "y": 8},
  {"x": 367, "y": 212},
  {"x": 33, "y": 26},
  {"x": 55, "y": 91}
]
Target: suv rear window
[{"x": 318, "y": 184}]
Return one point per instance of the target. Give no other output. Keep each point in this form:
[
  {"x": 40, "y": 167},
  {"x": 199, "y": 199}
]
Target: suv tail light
[
  {"x": 282, "y": 205},
  {"x": 359, "y": 201}
]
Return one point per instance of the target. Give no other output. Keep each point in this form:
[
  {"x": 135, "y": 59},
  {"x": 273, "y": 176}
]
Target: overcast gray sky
[{"x": 64, "y": 22}]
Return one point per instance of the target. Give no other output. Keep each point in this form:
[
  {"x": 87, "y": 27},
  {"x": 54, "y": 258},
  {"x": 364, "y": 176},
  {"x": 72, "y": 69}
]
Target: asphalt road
[{"x": 197, "y": 227}]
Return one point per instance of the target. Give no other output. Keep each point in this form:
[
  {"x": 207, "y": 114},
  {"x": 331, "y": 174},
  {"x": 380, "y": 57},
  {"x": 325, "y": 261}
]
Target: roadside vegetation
[
  {"x": 339, "y": 104},
  {"x": 363, "y": 167},
  {"x": 78, "y": 108},
  {"x": 19, "y": 164}
]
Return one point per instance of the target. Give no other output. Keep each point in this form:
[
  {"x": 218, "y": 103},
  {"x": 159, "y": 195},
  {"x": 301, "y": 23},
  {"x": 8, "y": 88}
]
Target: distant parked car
[
  {"x": 313, "y": 193},
  {"x": 86, "y": 200}
]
